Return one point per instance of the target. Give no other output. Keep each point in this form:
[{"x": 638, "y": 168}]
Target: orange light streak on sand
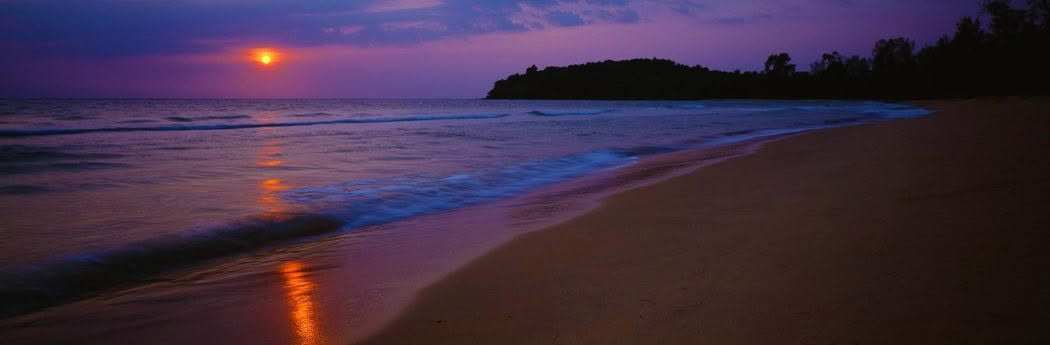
[{"x": 300, "y": 299}]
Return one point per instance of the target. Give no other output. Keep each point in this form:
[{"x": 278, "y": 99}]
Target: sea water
[{"x": 100, "y": 196}]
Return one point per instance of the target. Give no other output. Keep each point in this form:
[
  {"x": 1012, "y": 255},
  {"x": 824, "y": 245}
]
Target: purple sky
[{"x": 413, "y": 48}]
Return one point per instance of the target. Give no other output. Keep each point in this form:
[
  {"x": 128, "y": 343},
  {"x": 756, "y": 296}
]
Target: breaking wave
[
  {"x": 81, "y": 275},
  {"x": 570, "y": 112},
  {"x": 66, "y": 131}
]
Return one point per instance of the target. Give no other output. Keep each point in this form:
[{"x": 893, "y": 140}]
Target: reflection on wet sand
[{"x": 300, "y": 299}]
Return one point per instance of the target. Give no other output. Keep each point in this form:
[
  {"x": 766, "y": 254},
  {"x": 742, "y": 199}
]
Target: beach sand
[{"x": 918, "y": 231}]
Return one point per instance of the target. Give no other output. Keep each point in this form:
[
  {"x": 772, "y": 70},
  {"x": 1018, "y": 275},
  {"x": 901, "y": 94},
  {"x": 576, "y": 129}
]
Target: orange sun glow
[{"x": 265, "y": 57}]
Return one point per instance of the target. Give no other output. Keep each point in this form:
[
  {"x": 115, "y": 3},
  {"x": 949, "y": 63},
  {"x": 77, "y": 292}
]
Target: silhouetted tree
[
  {"x": 830, "y": 66},
  {"x": 779, "y": 65},
  {"x": 858, "y": 68},
  {"x": 1007, "y": 22},
  {"x": 893, "y": 62},
  {"x": 968, "y": 33},
  {"x": 1040, "y": 11},
  {"x": 893, "y": 56}
]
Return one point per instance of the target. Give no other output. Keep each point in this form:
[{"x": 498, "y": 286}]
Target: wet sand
[{"x": 918, "y": 231}]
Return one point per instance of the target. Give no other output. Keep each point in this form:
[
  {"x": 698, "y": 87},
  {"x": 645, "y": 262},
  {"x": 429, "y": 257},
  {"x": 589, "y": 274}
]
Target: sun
[{"x": 266, "y": 57}]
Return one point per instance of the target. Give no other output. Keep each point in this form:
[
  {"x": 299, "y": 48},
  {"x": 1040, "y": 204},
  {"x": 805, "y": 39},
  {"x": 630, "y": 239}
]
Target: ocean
[{"x": 301, "y": 221}]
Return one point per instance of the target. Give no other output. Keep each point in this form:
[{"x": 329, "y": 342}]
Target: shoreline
[
  {"x": 587, "y": 276},
  {"x": 440, "y": 243},
  {"x": 536, "y": 210}
]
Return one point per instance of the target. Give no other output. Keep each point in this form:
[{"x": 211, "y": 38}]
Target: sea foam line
[
  {"x": 335, "y": 208},
  {"x": 67, "y": 131},
  {"x": 570, "y": 112}
]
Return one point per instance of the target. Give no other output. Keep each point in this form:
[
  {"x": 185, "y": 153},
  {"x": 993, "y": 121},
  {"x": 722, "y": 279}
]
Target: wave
[
  {"x": 22, "y": 189},
  {"x": 137, "y": 121},
  {"x": 29, "y": 153},
  {"x": 647, "y": 150},
  {"x": 345, "y": 206},
  {"x": 894, "y": 113},
  {"x": 79, "y": 276},
  {"x": 363, "y": 203},
  {"x": 745, "y": 135},
  {"x": 16, "y": 169},
  {"x": 843, "y": 120},
  {"x": 222, "y": 117},
  {"x": 74, "y": 118},
  {"x": 67, "y": 131},
  {"x": 813, "y": 108},
  {"x": 27, "y": 159},
  {"x": 891, "y": 110},
  {"x": 369, "y": 202},
  {"x": 570, "y": 112},
  {"x": 741, "y": 132},
  {"x": 880, "y": 109},
  {"x": 758, "y": 109},
  {"x": 319, "y": 114},
  {"x": 687, "y": 106},
  {"x": 206, "y": 118}
]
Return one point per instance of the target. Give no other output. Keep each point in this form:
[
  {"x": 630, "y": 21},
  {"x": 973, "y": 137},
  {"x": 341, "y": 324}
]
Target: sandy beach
[{"x": 918, "y": 231}]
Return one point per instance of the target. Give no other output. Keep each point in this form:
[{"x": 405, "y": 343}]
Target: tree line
[{"x": 1007, "y": 55}]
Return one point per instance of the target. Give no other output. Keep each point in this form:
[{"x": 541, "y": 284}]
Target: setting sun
[{"x": 265, "y": 56}]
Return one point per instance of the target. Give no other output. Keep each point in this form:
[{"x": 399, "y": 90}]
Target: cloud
[
  {"x": 402, "y": 5},
  {"x": 115, "y": 28},
  {"x": 560, "y": 18},
  {"x": 108, "y": 28},
  {"x": 743, "y": 19},
  {"x": 572, "y": 13},
  {"x": 344, "y": 30},
  {"x": 415, "y": 25}
]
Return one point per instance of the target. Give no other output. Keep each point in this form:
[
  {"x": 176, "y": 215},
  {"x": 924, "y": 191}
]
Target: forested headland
[{"x": 1005, "y": 51}]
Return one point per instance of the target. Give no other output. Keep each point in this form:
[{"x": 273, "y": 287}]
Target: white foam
[
  {"x": 571, "y": 112},
  {"x": 398, "y": 198}
]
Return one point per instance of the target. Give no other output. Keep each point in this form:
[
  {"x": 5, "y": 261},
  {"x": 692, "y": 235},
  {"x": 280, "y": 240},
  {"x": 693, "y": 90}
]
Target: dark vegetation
[{"x": 1007, "y": 54}]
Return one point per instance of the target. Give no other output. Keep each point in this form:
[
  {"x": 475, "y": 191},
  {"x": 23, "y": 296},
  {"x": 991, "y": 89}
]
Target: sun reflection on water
[
  {"x": 269, "y": 155},
  {"x": 270, "y": 200},
  {"x": 270, "y": 163},
  {"x": 271, "y": 186},
  {"x": 300, "y": 298}
]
